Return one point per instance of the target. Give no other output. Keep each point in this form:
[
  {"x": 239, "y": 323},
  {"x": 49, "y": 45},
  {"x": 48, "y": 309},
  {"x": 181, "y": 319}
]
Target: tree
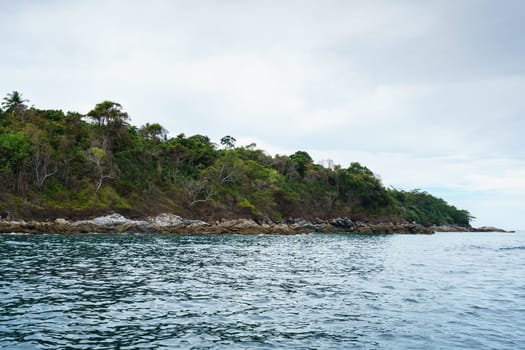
[
  {"x": 302, "y": 161},
  {"x": 420, "y": 206},
  {"x": 153, "y": 132},
  {"x": 361, "y": 190},
  {"x": 153, "y": 135},
  {"x": 227, "y": 169},
  {"x": 228, "y": 141},
  {"x": 201, "y": 152},
  {"x": 15, "y": 153},
  {"x": 356, "y": 168},
  {"x": 198, "y": 191},
  {"x": 44, "y": 163},
  {"x": 14, "y": 103},
  {"x": 99, "y": 158},
  {"x": 108, "y": 112},
  {"x": 112, "y": 119}
]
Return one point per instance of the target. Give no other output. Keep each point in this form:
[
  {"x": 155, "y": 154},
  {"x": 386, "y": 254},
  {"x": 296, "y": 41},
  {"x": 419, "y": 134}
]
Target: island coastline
[{"x": 174, "y": 224}]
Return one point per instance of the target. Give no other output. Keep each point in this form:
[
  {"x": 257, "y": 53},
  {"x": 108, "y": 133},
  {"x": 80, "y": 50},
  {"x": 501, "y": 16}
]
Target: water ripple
[{"x": 223, "y": 291}]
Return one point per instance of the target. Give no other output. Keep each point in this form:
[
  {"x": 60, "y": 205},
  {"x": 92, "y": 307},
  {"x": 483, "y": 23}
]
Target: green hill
[{"x": 56, "y": 164}]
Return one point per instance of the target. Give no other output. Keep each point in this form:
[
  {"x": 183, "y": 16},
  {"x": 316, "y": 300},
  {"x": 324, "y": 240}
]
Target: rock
[
  {"x": 488, "y": 229},
  {"x": 264, "y": 221},
  {"x": 61, "y": 221},
  {"x": 169, "y": 223},
  {"x": 239, "y": 224},
  {"x": 416, "y": 228},
  {"x": 281, "y": 227},
  {"x": 303, "y": 224},
  {"x": 167, "y": 220},
  {"x": 385, "y": 228},
  {"x": 345, "y": 223},
  {"x": 196, "y": 223},
  {"x": 450, "y": 228},
  {"x": 111, "y": 220}
]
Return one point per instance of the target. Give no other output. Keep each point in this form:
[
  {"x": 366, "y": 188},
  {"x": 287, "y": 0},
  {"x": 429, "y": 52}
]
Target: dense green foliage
[{"x": 68, "y": 164}]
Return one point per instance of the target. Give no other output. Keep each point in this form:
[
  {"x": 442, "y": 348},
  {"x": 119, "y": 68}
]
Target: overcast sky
[{"x": 428, "y": 94}]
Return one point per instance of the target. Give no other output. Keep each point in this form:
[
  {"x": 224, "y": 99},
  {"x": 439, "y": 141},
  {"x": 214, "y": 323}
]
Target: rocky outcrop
[
  {"x": 456, "y": 228},
  {"x": 489, "y": 229},
  {"x": 169, "y": 223},
  {"x": 170, "y": 220},
  {"x": 450, "y": 228},
  {"x": 345, "y": 223},
  {"x": 109, "y": 220}
]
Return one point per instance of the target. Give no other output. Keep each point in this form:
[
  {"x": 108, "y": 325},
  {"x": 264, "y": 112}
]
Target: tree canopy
[{"x": 71, "y": 164}]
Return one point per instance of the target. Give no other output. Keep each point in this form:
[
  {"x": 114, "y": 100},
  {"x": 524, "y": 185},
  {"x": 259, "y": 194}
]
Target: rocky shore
[{"x": 169, "y": 223}]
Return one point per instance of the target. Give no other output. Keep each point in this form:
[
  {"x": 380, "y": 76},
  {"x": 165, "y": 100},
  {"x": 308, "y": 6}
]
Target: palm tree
[{"x": 14, "y": 102}]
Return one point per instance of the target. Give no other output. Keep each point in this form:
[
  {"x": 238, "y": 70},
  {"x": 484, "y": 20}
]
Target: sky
[{"x": 427, "y": 94}]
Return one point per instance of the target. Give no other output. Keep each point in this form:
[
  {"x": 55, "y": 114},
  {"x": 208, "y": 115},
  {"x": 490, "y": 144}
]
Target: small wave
[
  {"x": 18, "y": 243},
  {"x": 410, "y": 300},
  {"x": 475, "y": 247},
  {"x": 513, "y": 248}
]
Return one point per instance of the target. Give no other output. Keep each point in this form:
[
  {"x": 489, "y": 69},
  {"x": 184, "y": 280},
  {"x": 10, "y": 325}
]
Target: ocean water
[{"x": 316, "y": 291}]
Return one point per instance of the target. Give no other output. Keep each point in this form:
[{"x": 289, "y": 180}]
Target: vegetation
[{"x": 67, "y": 164}]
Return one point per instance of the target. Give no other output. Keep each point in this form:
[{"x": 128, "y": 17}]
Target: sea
[{"x": 234, "y": 291}]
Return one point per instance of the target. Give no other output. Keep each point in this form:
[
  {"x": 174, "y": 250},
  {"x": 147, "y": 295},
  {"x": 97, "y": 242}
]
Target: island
[{"x": 68, "y": 171}]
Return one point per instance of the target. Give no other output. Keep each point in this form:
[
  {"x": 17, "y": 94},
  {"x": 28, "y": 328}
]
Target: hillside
[{"x": 56, "y": 164}]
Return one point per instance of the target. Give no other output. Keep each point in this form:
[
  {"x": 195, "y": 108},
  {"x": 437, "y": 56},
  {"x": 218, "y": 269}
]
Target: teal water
[{"x": 318, "y": 291}]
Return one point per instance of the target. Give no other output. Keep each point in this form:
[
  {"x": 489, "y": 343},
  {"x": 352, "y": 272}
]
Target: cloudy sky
[{"x": 428, "y": 94}]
